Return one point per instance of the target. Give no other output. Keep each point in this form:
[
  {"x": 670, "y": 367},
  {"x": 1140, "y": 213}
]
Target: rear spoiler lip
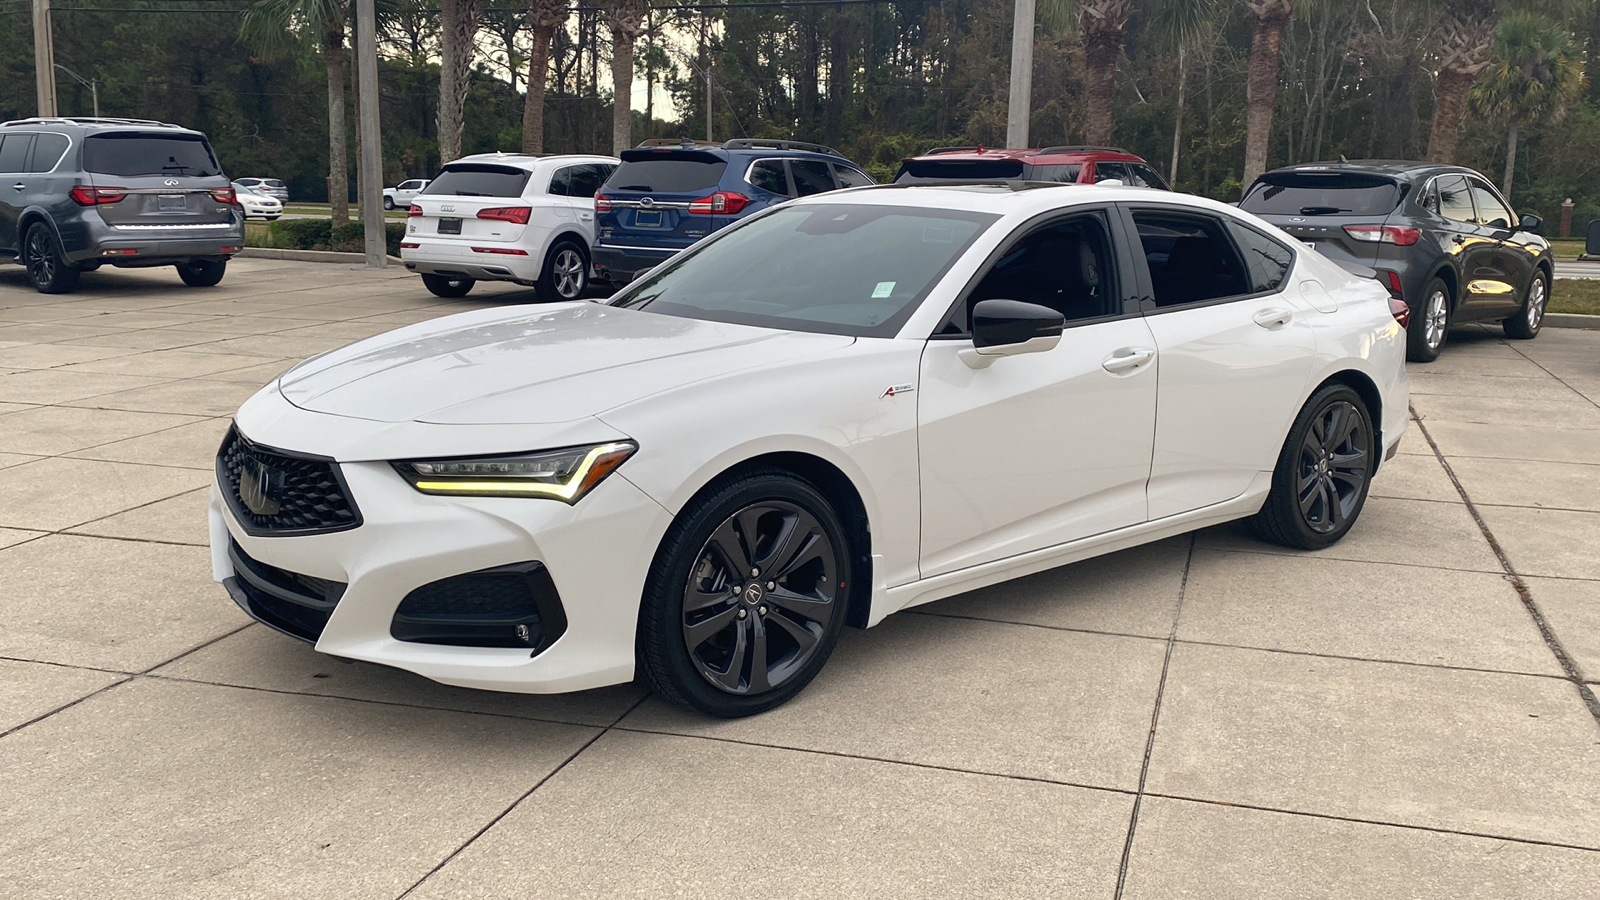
[{"x": 700, "y": 156}]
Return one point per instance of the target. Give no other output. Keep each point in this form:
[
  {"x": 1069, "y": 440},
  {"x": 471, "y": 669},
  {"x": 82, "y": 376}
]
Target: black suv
[
  {"x": 76, "y": 194},
  {"x": 1440, "y": 237}
]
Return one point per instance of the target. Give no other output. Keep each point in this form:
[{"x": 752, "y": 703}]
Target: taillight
[
  {"x": 225, "y": 195},
  {"x": 602, "y": 203},
  {"x": 414, "y": 211},
  {"x": 722, "y": 203},
  {"x": 1385, "y": 234},
  {"x": 409, "y": 245},
  {"x": 1402, "y": 312},
  {"x": 501, "y": 251},
  {"x": 83, "y": 195},
  {"x": 517, "y": 214}
]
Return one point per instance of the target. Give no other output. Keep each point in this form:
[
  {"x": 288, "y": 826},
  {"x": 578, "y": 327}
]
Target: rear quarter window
[
  {"x": 134, "y": 154},
  {"x": 1322, "y": 194},
  {"x": 478, "y": 180}
]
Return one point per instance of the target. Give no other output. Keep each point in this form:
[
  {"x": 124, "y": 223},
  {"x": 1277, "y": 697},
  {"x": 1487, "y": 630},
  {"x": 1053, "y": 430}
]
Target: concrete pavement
[{"x": 1210, "y": 716}]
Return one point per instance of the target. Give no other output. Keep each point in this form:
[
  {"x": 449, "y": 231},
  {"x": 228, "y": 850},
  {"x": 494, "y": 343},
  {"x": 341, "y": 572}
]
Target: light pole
[
  {"x": 1020, "y": 100},
  {"x": 370, "y": 167},
  {"x": 93, "y": 85}
]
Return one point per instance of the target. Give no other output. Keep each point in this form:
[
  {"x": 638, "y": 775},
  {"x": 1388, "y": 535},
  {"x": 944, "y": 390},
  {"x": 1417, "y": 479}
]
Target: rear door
[
  {"x": 476, "y": 203},
  {"x": 1341, "y": 214},
  {"x": 15, "y": 149},
  {"x": 1473, "y": 247},
  {"x": 650, "y": 201},
  {"x": 157, "y": 182},
  {"x": 578, "y": 184}
]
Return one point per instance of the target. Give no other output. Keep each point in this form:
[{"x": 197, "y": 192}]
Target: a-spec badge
[{"x": 896, "y": 390}]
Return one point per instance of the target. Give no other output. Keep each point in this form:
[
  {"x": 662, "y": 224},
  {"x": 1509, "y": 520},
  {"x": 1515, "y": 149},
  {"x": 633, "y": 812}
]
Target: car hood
[{"x": 555, "y": 364}]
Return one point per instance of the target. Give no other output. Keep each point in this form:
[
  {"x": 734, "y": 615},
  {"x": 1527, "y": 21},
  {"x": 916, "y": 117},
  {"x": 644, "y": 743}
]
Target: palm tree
[
  {"x": 281, "y": 25},
  {"x": 544, "y": 18},
  {"x": 458, "y": 26},
  {"x": 1181, "y": 25},
  {"x": 1465, "y": 43},
  {"x": 1537, "y": 70},
  {"x": 1102, "y": 25},
  {"x": 625, "y": 18},
  {"x": 1268, "y": 19}
]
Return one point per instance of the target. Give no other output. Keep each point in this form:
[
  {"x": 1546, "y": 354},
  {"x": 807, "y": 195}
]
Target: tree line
[{"x": 1212, "y": 91}]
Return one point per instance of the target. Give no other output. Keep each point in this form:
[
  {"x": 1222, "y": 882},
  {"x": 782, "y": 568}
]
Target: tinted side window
[
  {"x": 14, "y": 152},
  {"x": 1191, "y": 258},
  {"x": 1065, "y": 174},
  {"x": 561, "y": 182},
  {"x": 811, "y": 176},
  {"x": 849, "y": 177},
  {"x": 768, "y": 175},
  {"x": 1429, "y": 198},
  {"x": 1066, "y": 265},
  {"x": 1491, "y": 212},
  {"x": 586, "y": 181},
  {"x": 1266, "y": 261},
  {"x": 1144, "y": 176},
  {"x": 1454, "y": 201},
  {"x": 47, "y": 151},
  {"x": 1107, "y": 170}
]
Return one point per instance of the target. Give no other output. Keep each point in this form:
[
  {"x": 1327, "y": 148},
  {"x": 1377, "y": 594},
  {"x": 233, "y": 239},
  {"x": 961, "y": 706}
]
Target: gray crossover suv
[
  {"x": 1440, "y": 237},
  {"x": 76, "y": 194}
]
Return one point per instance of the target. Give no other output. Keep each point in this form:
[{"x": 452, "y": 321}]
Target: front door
[
  {"x": 1038, "y": 449},
  {"x": 1503, "y": 274}
]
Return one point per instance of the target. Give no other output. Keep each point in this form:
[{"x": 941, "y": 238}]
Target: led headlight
[{"x": 566, "y": 474}]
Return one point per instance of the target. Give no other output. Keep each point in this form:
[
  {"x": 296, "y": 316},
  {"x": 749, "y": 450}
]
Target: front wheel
[
  {"x": 447, "y": 287},
  {"x": 1426, "y": 335},
  {"x": 48, "y": 271},
  {"x": 1324, "y": 470},
  {"x": 388, "y": 203},
  {"x": 746, "y": 597},
  {"x": 203, "y": 272},
  {"x": 1526, "y": 323},
  {"x": 566, "y": 273}
]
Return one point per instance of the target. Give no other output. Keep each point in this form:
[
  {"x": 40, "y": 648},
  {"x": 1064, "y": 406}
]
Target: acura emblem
[
  {"x": 170, "y": 181},
  {"x": 259, "y": 487},
  {"x": 647, "y": 202}
]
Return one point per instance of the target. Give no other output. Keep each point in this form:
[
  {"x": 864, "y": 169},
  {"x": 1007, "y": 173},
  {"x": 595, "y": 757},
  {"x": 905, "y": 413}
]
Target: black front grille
[
  {"x": 297, "y": 605},
  {"x": 273, "y": 492},
  {"x": 509, "y": 606}
]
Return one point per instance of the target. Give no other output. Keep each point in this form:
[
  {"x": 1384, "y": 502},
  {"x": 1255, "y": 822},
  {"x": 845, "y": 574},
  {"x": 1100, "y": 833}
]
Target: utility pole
[
  {"x": 1020, "y": 100},
  {"x": 44, "y": 58},
  {"x": 370, "y": 169}
]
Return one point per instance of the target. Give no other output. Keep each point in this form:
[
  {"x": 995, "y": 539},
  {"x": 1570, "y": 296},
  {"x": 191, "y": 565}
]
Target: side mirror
[
  {"x": 1531, "y": 223},
  {"x": 1010, "y": 327}
]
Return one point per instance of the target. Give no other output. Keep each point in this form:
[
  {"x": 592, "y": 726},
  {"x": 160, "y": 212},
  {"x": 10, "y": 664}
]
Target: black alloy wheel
[
  {"x": 1430, "y": 324},
  {"x": 1524, "y": 325},
  {"x": 47, "y": 270},
  {"x": 446, "y": 286},
  {"x": 1323, "y": 474},
  {"x": 747, "y": 596}
]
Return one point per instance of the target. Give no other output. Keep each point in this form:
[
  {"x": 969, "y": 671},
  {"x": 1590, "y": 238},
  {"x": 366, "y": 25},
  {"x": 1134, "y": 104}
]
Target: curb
[
  {"x": 319, "y": 256},
  {"x": 1571, "y": 320}
]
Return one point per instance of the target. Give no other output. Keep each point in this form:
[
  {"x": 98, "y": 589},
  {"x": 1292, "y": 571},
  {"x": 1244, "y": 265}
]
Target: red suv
[{"x": 1071, "y": 165}]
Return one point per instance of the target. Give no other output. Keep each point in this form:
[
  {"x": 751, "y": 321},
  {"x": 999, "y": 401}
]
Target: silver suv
[{"x": 76, "y": 194}]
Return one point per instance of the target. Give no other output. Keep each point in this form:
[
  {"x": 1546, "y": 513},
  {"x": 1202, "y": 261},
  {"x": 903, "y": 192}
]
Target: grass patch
[
  {"x": 1576, "y": 295},
  {"x": 1566, "y": 248}
]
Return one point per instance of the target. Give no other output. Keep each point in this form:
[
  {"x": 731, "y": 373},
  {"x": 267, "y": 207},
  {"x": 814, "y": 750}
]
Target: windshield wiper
[
  {"x": 634, "y": 187},
  {"x": 1321, "y": 210}
]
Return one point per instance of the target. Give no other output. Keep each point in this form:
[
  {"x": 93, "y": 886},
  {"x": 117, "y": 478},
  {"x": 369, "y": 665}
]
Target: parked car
[
  {"x": 272, "y": 187},
  {"x": 668, "y": 194},
  {"x": 841, "y": 407},
  {"x": 1068, "y": 165},
  {"x": 403, "y": 193},
  {"x": 131, "y": 193},
  {"x": 257, "y": 205},
  {"x": 505, "y": 217},
  {"x": 1440, "y": 237}
]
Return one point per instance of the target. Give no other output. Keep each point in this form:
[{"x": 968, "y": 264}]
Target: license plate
[
  {"x": 449, "y": 226},
  {"x": 172, "y": 201},
  {"x": 647, "y": 218}
]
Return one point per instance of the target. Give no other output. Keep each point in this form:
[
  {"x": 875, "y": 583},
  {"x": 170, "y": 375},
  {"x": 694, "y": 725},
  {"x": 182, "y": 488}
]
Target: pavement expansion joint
[{"x": 1564, "y": 659}]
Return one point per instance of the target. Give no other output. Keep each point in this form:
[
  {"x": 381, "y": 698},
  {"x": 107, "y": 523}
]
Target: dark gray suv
[
  {"x": 76, "y": 194},
  {"x": 1440, "y": 237}
]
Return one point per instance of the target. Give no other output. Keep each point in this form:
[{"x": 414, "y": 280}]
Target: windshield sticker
[
  {"x": 938, "y": 234},
  {"x": 884, "y": 289}
]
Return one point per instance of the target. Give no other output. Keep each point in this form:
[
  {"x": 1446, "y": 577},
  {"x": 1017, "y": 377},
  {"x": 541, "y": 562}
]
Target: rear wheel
[
  {"x": 1526, "y": 323},
  {"x": 203, "y": 272},
  {"x": 746, "y": 597},
  {"x": 446, "y": 286},
  {"x": 1429, "y": 324},
  {"x": 566, "y": 273},
  {"x": 1319, "y": 486},
  {"x": 48, "y": 271}
]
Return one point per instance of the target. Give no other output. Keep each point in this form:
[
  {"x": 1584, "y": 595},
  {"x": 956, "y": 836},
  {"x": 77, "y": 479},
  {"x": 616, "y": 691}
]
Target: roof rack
[
  {"x": 766, "y": 144},
  {"x": 85, "y": 120},
  {"x": 1012, "y": 184},
  {"x": 683, "y": 142},
  {"x": 1081, "y": 148},
  {"x": 938, "y": 150}
]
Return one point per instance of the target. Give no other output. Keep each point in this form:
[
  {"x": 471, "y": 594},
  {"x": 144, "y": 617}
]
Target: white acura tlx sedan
[{"x": 844, "y": 406}]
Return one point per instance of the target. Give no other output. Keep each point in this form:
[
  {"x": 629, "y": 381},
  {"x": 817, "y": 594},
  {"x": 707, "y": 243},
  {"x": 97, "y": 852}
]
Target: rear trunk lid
[
  {"x": 163, "y": 182},
  {"x": 1315, "y": 205},
  {"x": 472, "y": 203},
  {"x": 647, "y": 201}
]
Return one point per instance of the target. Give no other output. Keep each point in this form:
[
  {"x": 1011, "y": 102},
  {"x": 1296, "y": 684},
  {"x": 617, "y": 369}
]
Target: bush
[{"x": 319, "y": 234}]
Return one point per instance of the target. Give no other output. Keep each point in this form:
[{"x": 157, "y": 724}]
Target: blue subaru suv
[{"x": 668, "y": 194}]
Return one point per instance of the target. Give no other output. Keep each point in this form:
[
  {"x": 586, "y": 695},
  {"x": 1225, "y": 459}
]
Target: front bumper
[
  {"x": 597, "y": 554},
  {"x": 455, "y": 259}
]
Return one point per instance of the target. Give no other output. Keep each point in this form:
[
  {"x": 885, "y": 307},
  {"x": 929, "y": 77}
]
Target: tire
[
  {"x": 449, "y": 288},
  {"x": 203, "y": 272},
  {"x": 1525, "y": 325},
  {"x": 1324, "y": 471},
  {"x": 566, "y": 273},
  {"x": 41, "y": 254},
  {"x": 1431, "y": 323},
  {"x": 388, "y": 203},
  {"x": 710, "y": 616}
]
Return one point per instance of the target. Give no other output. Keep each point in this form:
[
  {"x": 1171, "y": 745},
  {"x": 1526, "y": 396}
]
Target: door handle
[
  {"x": 18, "y": 186},
  {"x": 1458, "y": 239},
  {"x": 1273, "y": 316},
  {"x": 1127, "y": 359}
]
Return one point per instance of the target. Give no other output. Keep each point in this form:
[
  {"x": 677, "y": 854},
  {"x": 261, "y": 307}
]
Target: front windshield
[{"x": 832, "y": 268}]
